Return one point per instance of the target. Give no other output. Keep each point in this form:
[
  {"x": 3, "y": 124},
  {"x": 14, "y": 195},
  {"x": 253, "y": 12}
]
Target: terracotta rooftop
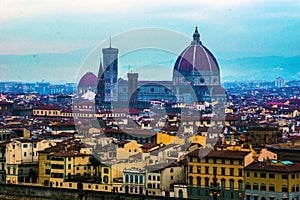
[
  {"x": 210, "y": 153},
  {"x": 3, "y": 144},
  {"x": 48, "y": 107},
  {"x": 133, "y": 132},
  {"x": 276, "y": 167},
  {"x": 148, "y": 146},
  {"x": 164, "y": 148},
  {"x": 69, "y": 154},
  {"x": 162, "y": 166}
]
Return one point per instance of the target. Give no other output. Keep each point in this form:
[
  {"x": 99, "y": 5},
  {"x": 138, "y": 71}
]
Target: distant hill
[
  {"x": 260, "y": 68},
  {"x": 36, "y": 67},
  {"x": 64, "y": 67}
]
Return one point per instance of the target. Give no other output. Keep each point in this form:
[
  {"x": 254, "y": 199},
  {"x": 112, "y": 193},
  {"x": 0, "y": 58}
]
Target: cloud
[
  {"x": 81, "y": 24},
  {"x": 16, "y": 9}
]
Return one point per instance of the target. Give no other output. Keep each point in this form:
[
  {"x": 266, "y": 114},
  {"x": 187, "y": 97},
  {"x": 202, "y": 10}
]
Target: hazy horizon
[{"x": 40, "y": 32}]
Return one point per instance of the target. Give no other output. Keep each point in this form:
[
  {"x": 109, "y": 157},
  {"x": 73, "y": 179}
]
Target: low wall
[{"x": 24, "y": 192}]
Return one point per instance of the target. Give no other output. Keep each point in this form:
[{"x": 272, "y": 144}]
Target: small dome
[
  {"x": 88, "y": 80},
  {"x": 196, "y": 57}
]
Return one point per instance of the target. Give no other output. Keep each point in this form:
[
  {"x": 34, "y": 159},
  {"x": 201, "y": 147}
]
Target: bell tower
[
  {"x": 132, "y": 86},
  {"x": 110, "y": 64}
]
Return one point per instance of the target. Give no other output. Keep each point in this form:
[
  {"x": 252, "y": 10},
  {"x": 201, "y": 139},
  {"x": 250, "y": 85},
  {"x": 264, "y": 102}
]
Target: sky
[{"x": 229, "y": 28}]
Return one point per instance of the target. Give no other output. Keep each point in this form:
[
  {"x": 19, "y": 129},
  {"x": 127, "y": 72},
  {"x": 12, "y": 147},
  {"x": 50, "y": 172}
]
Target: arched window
[
  {"x": 149, "y": 185},
  {"x": 263, "y": 187},
  {"x": 271, "y": 188},
  {"x": 248, "y": 186},
  {"x": 223, "y": 183},
  {"x": 255, "y": 186},
  {"x": 198, "y": 180},
  {"x": 284, "y": 188},
  {"x": 131, "y": 178},
  {"x": 206, "y": 181},
  {"x": 231, "y": 184},
  {"x": 141, "y": 179},
  {"x": 191, "y": 180},
  {"x": 126, "y": 178},
  {"x": 180, "y": 194},
  {"x": 297, "y": 188},
  {"x": 240, "y": 185},
  {"x": 136, "y": 179}
]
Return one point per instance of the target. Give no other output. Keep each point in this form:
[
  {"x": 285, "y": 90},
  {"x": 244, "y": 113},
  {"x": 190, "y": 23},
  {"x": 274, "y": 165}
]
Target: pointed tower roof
[
  {"x": 101, "y": 70},
  {"x": 109, "y": 41}
]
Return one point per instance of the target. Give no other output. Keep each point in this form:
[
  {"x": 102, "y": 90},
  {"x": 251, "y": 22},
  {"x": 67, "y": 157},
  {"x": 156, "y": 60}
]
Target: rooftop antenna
[{"x": 109, "y": 41}]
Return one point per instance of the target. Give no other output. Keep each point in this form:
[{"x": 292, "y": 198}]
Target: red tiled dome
[
  {"x": 196, "y": 56},
  {"x": 88, "y": 80}
]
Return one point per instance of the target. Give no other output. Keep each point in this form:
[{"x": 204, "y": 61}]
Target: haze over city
[{"x": 45, "y": 40}]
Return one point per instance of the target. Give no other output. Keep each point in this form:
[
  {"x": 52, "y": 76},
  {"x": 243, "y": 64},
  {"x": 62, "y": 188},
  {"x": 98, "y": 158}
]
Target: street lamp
[
  {"x": 214, "y": 188},
  {"x": 215, "y": 195}
]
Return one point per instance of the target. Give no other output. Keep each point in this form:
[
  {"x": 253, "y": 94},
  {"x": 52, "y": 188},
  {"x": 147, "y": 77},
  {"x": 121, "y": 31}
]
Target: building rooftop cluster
[{"x": 58, "y": 141}]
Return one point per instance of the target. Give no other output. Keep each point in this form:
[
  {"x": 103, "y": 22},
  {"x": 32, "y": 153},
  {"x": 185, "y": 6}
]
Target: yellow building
[
  {"x": 272, "y": 180},
  {"x": 117, "y": 167},
  {"x": 44, "y": 168},
  {"x": 198, "y": 139},
  {"x": 130, "y": 148},
  {"x": 228, "y": 166},
  {"x": 56, "y": 167},
  {"x": 68, "y": 164},
  {"x": 164, "y": 138},
  {"x": 22, "y": 159}
]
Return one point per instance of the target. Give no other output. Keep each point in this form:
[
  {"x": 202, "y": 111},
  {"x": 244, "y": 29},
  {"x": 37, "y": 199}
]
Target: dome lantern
[{"x": 196, "y": 37}]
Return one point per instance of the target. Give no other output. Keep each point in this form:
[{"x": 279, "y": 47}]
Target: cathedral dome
[
  {"x": 89, "y": 80},
  {"x": 196, "y": 57}
]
